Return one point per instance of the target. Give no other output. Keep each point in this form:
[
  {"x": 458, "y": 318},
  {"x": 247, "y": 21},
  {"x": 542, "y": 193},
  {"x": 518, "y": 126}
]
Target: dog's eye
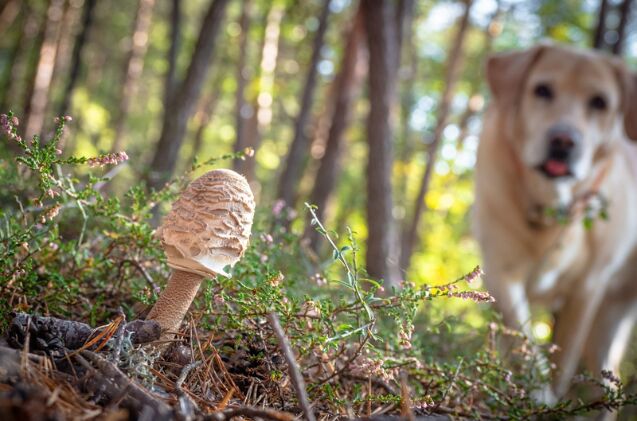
[
  {"x": 543, "y": 91},
  {"x": 598, "y": 102}
]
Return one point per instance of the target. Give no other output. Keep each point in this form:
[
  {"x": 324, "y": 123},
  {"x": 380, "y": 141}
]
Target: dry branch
[
  {"x": 107, "y": 380},
  {"x": 295, "y": 373}
]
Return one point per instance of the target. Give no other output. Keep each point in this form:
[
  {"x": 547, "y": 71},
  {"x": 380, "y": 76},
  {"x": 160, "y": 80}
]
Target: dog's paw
[{"x": 545, "y": 395}]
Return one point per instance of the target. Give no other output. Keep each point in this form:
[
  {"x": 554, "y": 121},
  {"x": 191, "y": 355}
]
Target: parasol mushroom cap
[{"x": 209, "y": 226}]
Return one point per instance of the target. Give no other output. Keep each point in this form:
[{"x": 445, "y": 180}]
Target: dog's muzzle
[{"x": 563, "y": 150}]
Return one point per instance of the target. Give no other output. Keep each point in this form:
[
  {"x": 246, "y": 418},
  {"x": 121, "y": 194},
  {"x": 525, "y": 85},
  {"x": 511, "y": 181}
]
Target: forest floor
[{"x": 55, "y": 369}]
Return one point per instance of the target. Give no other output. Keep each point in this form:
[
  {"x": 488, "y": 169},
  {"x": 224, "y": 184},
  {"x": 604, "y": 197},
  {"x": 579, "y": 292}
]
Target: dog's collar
[{"x": 590, "y": 204}]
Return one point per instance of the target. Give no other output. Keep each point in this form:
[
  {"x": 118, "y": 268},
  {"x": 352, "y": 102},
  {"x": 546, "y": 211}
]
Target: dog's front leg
[
  {"x": 512, "y": 302},
  {"x": 573, "y": 327}
]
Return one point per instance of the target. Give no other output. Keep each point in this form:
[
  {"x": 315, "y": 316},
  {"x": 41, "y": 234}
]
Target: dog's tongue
[{"x": 556, "y": 168}]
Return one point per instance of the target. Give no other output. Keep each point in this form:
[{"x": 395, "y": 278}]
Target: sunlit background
[{"x": 277, "y": 57}]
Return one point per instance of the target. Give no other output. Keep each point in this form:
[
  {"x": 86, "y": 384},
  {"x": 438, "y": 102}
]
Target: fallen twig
[
  {"x": 295, "y": 373},
  {"x": 111, "y": 382},
  {"x": 246, "y": 411}
]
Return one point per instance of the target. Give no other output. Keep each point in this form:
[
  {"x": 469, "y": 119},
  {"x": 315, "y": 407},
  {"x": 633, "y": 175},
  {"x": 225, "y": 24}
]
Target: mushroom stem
[{"x": 173, "y": 303}]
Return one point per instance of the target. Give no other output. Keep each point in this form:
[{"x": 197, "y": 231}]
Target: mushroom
[{"x": 206, "y": 230}]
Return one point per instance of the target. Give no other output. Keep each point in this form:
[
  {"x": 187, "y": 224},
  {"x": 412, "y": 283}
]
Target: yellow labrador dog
[{"x": 554, "y": 152}]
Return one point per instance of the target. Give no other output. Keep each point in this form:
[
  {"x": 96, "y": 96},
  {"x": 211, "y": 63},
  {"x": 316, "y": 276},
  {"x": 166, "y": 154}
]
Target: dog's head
[{"x": 563, "y": 107}]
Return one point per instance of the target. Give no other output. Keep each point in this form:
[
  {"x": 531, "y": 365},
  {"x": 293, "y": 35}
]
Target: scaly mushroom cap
[{"x": 209, "y": 225}]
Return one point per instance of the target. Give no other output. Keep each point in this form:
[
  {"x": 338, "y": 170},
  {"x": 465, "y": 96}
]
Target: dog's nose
[{"x": 562, "y": 143}]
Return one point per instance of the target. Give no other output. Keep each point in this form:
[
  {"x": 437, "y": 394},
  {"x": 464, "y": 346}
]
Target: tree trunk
[
  {"x": 241, "y": 111},
  {"x": 600, "y": 29},
  {"x": 205, "y": 116},
  {"x": 68, "y": 28},
  {"x": 180, "y": 109},
  {"x": 76, "y": 56},
  {"x": 380, "y": 25},
  {"x": 9, "y": 11},
  {"x": 408, "y": 64},
  {"x": 410, "y": 235},
  {"x": 347, "y": 85},
  {"x": 476, "y": 101},
  {"x": 34, "y": 118},
  {"x": 133, "y": 68},
  {"x": 22, "y": 67},
  {"x": 13, "y": 56},
  {"x": 624, "y": 14},
  {"x": 265, "y": 82},
  {"x": 297, "y": 154},
  {"x": 404, "y": 19},
  {"x": 173, "y": 51}
]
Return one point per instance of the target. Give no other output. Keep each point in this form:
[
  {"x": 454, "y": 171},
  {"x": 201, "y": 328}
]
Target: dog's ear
[
  {"x": 628, "y": 90},
  {"x": 507, "y": 72},
  {"x": 630, "y": 105}
]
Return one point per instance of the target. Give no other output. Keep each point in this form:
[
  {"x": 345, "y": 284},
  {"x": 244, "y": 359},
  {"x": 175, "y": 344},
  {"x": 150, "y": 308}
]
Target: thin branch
[
  {"x": 293, "y": 367},
  {"x": 255, "y": 413}
]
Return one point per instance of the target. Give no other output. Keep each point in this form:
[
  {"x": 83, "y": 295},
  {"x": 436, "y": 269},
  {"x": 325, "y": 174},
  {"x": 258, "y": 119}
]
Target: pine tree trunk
[
  {"x": 265, "y": 81},
  {"x": 624, "y": 14},
  {"x": 404, "y": 19},
  {"x": 347, "y": 85},
  {"x": 242, "y": 80},
  {"x": 180, "y": 109},
  {"x": 133, "y": 68},
  {"x": 34, "y": 118},
  {"x": 476, "y": 101},
  {"x": 76, "y": 56},
  {"x": 408, "y": 73},
  {"x": 13, "y": 60},
  {"x": 9, "y": 11},
  {"x": 410, "y": 235},
  {"x": 380, "y": 25},
  {"x": 64, "y": 48},
  {"x": 206, "y": 113},
  {"x": 600, "y": 29},
  {"x": 173, "y": 50},
  {"x": 297, "y": 153}
]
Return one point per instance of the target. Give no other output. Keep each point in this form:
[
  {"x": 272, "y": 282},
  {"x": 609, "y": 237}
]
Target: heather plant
[{"x": 71, "y": 250}]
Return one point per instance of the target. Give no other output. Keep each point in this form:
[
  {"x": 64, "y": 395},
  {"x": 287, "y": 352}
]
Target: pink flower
[
  {"x": 50, "y": 213},
  {"x": 319, "y": 279},
  {"x": 7, "y": 127},
  {"x": 477, "y": 296},
  {"x": 278, "y": 207},
  {"x": 473, "y": 275},
  {"x": 107, "y": 159},
  {"x": 267, "y": 238},
  {"x": 66, "y": 118}
]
